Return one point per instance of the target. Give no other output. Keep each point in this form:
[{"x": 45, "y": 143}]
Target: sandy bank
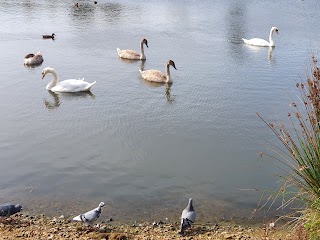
[{"x": 24, "y": 226}]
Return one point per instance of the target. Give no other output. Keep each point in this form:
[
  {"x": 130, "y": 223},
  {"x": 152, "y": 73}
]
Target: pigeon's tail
[
  {"x": 185, "y": 223},
  {"x": 77, "y": 218},
  {"x": 182, "y": 228}
]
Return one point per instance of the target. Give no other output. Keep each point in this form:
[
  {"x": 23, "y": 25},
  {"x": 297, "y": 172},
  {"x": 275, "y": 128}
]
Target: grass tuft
[{"x": 298, "y": 157}]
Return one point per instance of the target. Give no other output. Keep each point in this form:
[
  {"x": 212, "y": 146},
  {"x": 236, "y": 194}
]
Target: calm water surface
[{"x": 137, "y": 145}]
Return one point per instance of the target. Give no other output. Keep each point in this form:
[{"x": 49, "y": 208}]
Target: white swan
[
  {"x": 70, "y": 85},
  {"x": 158, "y": 76},
  {"x": 261, "y": 42},
  {"x": 133, "y": 55},
  {"x": 33, "y": 59}
]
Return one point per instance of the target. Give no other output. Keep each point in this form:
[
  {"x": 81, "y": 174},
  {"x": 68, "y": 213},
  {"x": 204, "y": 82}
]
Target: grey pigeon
[
  {"x": 7, "y": 210},
  {"x": 188, "y": 217},
  {"x": 90, "y": 216}
]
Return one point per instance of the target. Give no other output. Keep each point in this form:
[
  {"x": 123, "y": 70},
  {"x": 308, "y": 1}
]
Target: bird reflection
[
  {"x": 271, "y": 58},
  {"x": 169, "y": 97},
  {"x": 132, "y": 61},
  {"x": 55, "y": 102}
]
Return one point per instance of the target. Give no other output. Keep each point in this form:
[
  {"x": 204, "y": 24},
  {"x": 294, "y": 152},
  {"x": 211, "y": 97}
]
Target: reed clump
[{"x": 298, "y": 156}]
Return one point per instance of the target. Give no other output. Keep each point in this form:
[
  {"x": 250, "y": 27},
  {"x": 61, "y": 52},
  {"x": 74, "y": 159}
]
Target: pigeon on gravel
[
  {"x": 188, "y": 217},
  {"x": 89, "y": 217},
  {"x": 7, "y": 210}
]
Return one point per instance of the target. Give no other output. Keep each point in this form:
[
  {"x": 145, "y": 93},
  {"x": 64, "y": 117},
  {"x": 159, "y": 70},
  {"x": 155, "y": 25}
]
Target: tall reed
[{"x": 299, "y": 155}]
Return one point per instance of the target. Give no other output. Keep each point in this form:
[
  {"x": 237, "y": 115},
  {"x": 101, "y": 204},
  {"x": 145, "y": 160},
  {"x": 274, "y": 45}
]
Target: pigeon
[
  {"x": 188, "y": 217},
  {"x": 89, "y": 217},
  {"x": 7, "y": 210}
]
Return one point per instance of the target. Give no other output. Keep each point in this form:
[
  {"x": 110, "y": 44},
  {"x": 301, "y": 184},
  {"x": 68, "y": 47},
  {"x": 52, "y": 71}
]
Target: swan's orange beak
[{"x": 43, "y": 75}]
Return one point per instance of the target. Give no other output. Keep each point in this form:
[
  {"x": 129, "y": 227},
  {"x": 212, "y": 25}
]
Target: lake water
[{"x": 142, "y": 148}]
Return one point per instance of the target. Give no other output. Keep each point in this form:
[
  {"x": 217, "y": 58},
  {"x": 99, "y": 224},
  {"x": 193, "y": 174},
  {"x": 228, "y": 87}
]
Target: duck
[
  {"x": 133, "y": 55},
  {"x": 261, "y": 42},
  {"x": 33, "y": 59},
  {"x": 49, "y": 36},
  {"x": 70, "y": 85},
  {"x": 158, "y": 76}
]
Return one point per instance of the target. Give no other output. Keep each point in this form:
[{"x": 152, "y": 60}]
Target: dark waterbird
[{"x": 48, "y": 36}]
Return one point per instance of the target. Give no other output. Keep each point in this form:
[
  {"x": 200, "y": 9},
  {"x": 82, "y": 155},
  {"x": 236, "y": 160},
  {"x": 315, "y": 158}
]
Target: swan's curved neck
[
  {"x": 53, "y": 81},
  {"x": 270, "y": 39},
  {"x": 168, "y": 77},
  {"x": 142, "y": 56}
]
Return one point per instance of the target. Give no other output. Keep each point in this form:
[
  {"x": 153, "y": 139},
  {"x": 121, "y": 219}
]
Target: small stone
[
  {"x": 228, "y": 236},
  {"x": 103, "y": 229}
]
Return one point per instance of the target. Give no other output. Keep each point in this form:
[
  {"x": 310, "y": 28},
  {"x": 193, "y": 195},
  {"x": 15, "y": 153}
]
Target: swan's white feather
[
  {"x": 257, "y": 42},
  {"x": 72, "y": 85},
  {"x": 69, "y": 85}
]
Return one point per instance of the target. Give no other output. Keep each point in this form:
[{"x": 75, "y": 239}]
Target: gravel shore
[{"x": 23, "y": 226}]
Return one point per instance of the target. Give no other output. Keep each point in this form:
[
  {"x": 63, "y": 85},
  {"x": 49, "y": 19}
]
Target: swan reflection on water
[
  {"x": 170, "y": 98},
  {"x": 271, "y": 59},
  {"x": 55, "y": 102},
  {"x": 142, "y": 62}
]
